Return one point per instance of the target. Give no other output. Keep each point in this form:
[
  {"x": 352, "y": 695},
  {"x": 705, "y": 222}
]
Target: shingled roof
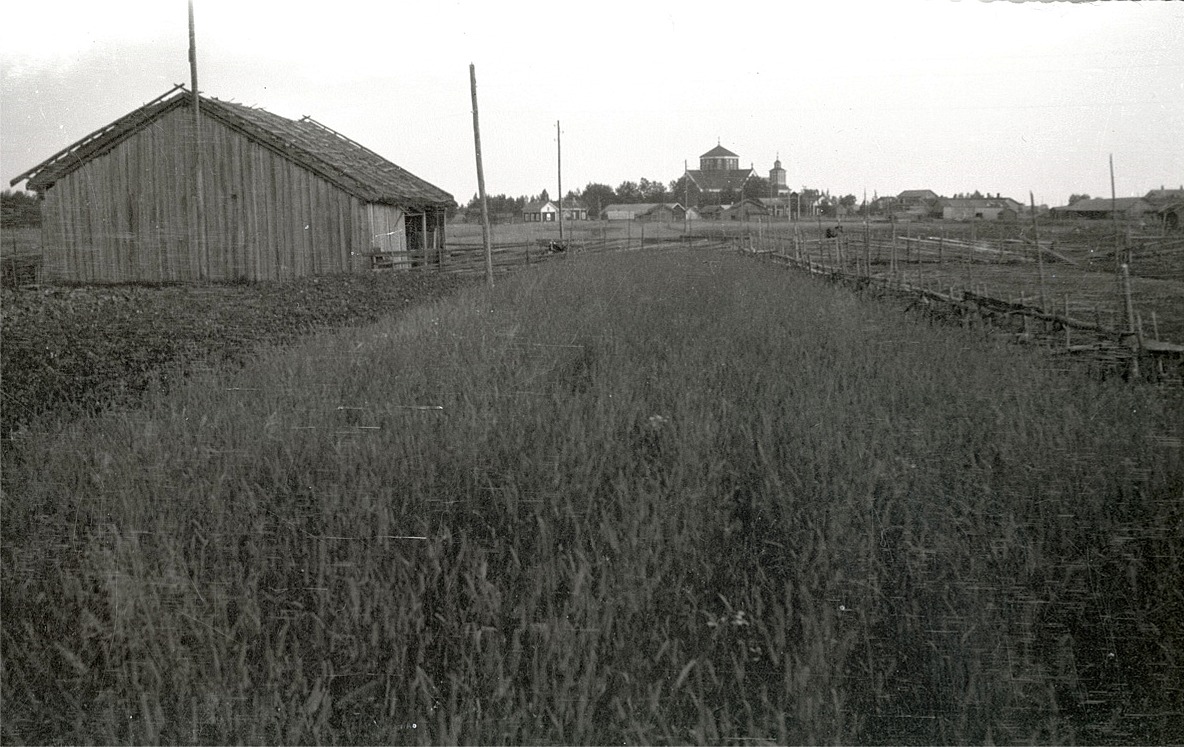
[
  {"x": 924, "y": 194},
  {"x": 1106, "y": 204},
  {"x": 352, "y": 167},
  {"x": 719, "y": 180}
]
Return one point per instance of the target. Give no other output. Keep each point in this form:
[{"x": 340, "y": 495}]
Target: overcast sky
[{"x": 877, "y": 96}]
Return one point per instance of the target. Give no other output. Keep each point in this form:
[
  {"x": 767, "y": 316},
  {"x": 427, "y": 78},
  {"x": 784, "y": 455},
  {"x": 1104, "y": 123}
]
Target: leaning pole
[
  {"x": 481, "y": 181},
  {"x": 199, "y": 244}
]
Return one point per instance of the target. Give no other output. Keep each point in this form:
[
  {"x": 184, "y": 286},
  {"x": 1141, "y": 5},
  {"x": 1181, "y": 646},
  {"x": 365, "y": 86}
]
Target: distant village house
[
  {"x": 1101, "y": 208},
  {"x": 745, "y": 210},
  {"x": 979, "y": 208},
  {"x": 540, "y": 212},
  {"x": 574, "y": 211},
  {"x": 650, "y": 212}
]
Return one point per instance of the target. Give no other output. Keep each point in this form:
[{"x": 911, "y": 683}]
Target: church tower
[{"x": 777, "y": 185}]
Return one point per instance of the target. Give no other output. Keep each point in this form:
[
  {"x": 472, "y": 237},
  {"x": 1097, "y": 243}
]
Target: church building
[{"x": 719, "y": 173}]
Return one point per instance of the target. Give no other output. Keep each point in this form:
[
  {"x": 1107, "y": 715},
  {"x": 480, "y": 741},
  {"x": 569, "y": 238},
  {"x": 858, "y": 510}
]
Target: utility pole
[
  {"x": 481, "y": 183},
  {"x": 197, "y": 231},
  {"x": 559, "y": 163}
]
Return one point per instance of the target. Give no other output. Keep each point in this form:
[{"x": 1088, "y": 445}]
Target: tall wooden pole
[
  {"x": 481, "y": 181},
  {"x": 866, "y": 238},
  {"x": 197, "y": 232},
  {"x": 686, "y": 200},
  {"x": 1118, "y": 258},
  {"x": 1039, "y": 254},
  {"x": 559, "y": 165}
]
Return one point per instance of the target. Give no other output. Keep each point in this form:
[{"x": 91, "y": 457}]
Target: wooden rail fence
[
  {"x": 18, "y": 270},
  {"x": 1128, "y": 346}
]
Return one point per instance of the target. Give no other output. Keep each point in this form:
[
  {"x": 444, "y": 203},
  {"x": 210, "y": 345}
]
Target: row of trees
[{"x": 596, "y": 196}]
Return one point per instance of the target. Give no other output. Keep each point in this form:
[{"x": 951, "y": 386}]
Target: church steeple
[{"x": 777, "y": 183}]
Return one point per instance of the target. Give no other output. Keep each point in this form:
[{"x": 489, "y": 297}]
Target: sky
[{"x": 855, "y": 97}]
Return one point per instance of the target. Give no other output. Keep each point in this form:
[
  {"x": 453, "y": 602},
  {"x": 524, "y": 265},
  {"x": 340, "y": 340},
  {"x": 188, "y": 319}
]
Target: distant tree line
[
  {"x": 596, "y": 196},
  {"x": 19, "y": 209}
]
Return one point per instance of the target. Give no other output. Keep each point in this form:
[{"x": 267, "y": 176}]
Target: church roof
[
  {"x": 719, "y": 151},
  {"x": 719, "y": 180}
]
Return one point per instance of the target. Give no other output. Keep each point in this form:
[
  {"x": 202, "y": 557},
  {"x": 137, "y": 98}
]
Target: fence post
[
  {"x": 1132, "y": 324},
  {"x": 867, "y": 246},
  {"x": 1067, "y": 333},
  {"x": 969, "y": 263}
]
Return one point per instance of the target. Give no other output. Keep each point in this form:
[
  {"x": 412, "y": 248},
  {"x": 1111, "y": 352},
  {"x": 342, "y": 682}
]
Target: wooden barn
[
  {"x": 1105, "y": 208},
  {"x": 282, "y": 199},
  {"x": 975, "y": 208},
  {"x": 745, "y": 210},
  {"x": 650, "y": 212}
]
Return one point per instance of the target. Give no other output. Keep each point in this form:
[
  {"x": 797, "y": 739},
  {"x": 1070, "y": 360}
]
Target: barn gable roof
[
  {"x": 980, "y": 202},
  {"x": 633, "y": 207},
  {"x": 747, "y": 205},
  {"x": 352, "y": 167},
  {"x": 1160, "y": 196},
  {"x": 640, "y": 209},
  {"x": 1106, "y": 204}
]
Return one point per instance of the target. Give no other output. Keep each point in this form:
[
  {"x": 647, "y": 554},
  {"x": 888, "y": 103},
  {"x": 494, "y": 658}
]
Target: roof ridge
[
  {"x": 349, "y": 165},
  {"x": 93, "y": 137}
]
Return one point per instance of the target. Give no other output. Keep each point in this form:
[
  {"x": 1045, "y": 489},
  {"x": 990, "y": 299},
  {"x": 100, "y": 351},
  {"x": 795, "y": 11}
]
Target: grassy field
[
  {"x": 660, "y": 497},
  {"x": 1086, "y": 283}
]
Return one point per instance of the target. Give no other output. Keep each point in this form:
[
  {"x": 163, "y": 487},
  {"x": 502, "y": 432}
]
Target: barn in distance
[{"x": 282, "y": 199}]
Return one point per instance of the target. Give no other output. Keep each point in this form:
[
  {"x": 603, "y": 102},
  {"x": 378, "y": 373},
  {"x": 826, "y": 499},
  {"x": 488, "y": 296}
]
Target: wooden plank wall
[{"x": 125, "y": 216}]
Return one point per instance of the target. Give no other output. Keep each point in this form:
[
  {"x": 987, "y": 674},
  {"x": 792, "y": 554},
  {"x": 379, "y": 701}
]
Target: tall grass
[{"x": 673, "y": 497}]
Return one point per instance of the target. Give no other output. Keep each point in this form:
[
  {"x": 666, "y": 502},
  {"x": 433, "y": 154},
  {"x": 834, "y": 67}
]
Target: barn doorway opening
[{"x": 425, "y": 237}]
